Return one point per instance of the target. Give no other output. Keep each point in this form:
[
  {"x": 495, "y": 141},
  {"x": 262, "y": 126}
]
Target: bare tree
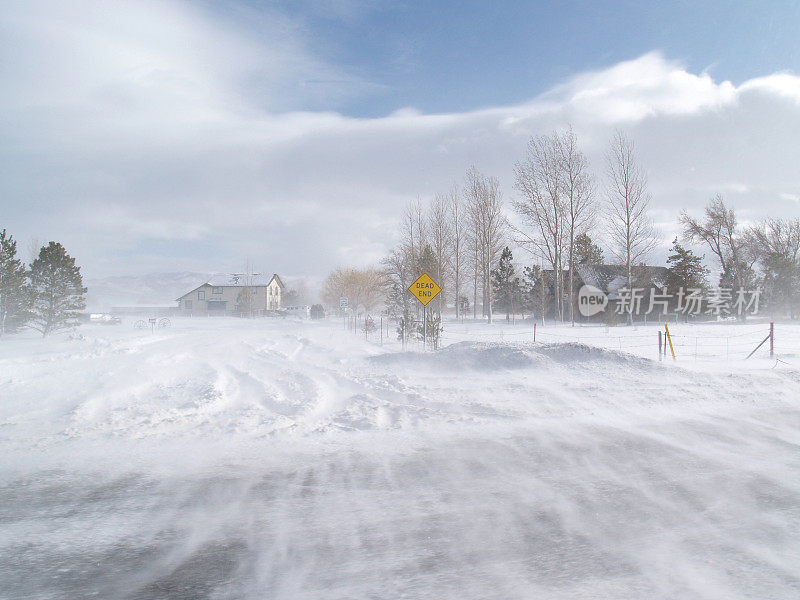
[
  {"x": 474, "y": 246},
  {"x": 245, "y": 302},
  {"x": 578, "y": 190},
  {"x": 458, "y": 243},
  {"x": 776, "y": 245},
  {"x": 721, "y": 233},
  {"x": 779, "y": 237},
  {"x": 538, "y": 179},
  {"x": 440, "y": 235},
  {"x": 488, "y": 225},
  {"x": 471, "y": 193},
  {"x": 413, "y": 230},
  {"x": 360, "y": 286},
  {"x": 397, "y": 276},
  {"x": 630, "y": 229}
]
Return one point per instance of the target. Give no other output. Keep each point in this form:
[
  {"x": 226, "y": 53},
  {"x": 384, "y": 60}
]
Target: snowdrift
[
  {"x": 254, "y": 459},
  {"x": 492, "y": 356}
]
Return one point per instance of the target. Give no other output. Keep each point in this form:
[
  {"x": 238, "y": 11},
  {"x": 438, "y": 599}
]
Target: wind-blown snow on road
[{"x": 269, "y": 459}]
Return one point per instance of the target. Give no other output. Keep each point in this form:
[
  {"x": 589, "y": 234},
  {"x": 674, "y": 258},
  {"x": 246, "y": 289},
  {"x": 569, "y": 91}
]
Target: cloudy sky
[{"x": 169, "y": 136}]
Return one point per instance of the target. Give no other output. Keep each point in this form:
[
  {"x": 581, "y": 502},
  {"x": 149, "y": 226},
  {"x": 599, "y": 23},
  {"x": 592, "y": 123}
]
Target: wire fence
[{"x": 689, "y": 342}]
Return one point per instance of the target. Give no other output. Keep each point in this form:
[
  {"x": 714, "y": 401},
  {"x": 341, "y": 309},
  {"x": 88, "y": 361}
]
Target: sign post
[
  {"x": 344, "y": 303},
  {"x": 424, "y": 289}
]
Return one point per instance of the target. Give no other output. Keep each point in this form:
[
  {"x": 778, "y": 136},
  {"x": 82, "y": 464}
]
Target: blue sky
[
  {"x": 180, "y": 135},
  {"x": 453, "y": 56}
]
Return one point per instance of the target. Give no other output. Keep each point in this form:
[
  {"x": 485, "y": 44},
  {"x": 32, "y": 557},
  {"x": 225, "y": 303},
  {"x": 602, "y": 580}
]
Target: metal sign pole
[
  {"x": 424, "y": 329},
  {"x": 424, "y": 289}
]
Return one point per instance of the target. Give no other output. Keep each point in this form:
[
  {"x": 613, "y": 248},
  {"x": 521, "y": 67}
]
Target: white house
[{"x": 234, "y": 294}]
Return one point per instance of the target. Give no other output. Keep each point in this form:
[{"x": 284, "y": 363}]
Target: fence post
[
  {"x": 669, "y": 339},
  {"x": 772, "y": 340},
  {"x": 659, "y": 344}
]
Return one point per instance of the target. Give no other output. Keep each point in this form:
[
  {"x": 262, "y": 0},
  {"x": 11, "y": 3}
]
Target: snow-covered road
[{"x": 265, "y": 459}]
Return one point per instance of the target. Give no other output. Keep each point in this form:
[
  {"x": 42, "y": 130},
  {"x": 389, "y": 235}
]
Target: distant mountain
[{"x": 153, "y": 289}]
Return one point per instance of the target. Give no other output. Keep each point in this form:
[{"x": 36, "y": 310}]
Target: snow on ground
[{"x": 225, "y": 458}]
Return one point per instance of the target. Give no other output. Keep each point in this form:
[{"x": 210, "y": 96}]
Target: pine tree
[
  {"x": 57, "y": 288},
  {"x": 506, "y": 286},
  {"x": 685, "y": 270},
  {"x": 14, "y": 291},
  {"x": 781, "y": 282},
  {"x": 534, "y": 291},
  {"x": 587, "y": 252}
]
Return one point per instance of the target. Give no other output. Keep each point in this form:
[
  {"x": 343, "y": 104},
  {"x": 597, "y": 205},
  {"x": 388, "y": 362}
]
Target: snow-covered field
[{"x": 226, "y": 458}]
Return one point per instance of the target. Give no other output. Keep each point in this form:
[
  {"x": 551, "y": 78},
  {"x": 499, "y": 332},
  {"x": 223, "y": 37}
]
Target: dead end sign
[{"x": 424, "y": 289}]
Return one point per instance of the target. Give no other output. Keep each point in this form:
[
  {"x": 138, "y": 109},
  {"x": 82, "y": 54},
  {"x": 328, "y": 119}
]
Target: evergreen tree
[
  {"x": 781, "y": 283},
  {"x": 57, "y": 288},
  {"x": 14, "y": 291},
  {"x": 587, "y": 252},
  {"x": 741, "y": 272},
  {"x": 535, "y": 292},
  {"x": 427, "y": 262},
  {"x": 685, "y": 270},
  {"x": 506, "y": 287}
]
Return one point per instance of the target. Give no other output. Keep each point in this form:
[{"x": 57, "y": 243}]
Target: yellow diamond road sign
[{"x": 424, "y": 289}]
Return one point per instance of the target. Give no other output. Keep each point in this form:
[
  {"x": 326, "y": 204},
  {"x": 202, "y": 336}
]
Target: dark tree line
[{"x": 46, "y": 296}]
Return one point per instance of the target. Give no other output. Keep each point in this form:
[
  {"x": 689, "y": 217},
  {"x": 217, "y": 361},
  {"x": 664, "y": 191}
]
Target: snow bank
[
  {"x": 253, "y": 459},
  {"x": 465, "y": 355},
  {"x": 492, "y": 356}
]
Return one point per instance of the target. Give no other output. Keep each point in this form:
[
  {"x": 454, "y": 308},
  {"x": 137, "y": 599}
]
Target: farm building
[{"x": 253, "y": 294}]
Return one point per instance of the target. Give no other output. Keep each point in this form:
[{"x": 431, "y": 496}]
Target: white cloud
[
  {"x": 636, "y": 89},
  {"x": 151, "y": 134}
]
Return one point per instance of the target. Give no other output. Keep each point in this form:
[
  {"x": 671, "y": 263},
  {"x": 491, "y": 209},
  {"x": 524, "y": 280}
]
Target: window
[
  {"x": 201, "y": 295},
  {"x": 187, "y": 304},
  {"x": 216, "y": 290}
]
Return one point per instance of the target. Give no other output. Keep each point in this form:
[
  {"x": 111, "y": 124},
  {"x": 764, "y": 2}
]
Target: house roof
[
  {"x": 610, "y": 278},
  {"x": 599, "y": 276},
  {"x": 239, "y": 280},
  {"x": 244, "y": 280}
]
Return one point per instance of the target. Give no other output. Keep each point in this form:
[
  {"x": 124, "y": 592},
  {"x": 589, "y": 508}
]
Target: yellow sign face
[{"x": 424, "y": 289}]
